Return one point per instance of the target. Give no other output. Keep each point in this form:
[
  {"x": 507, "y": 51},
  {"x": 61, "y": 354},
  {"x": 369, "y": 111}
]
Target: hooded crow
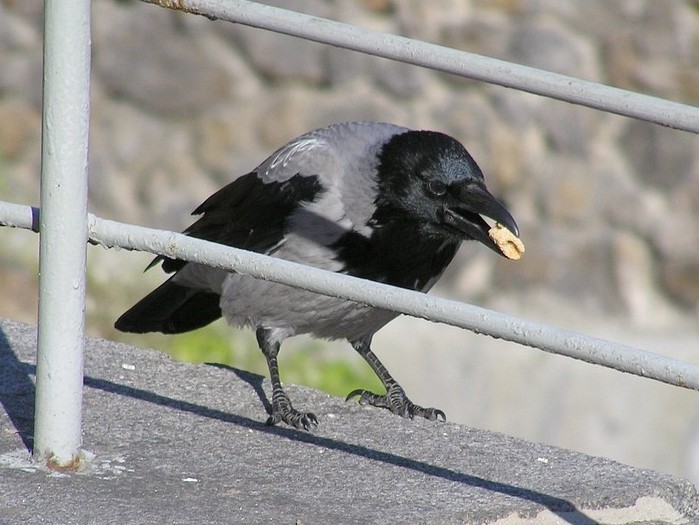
[{"x": 368, "y": 199}]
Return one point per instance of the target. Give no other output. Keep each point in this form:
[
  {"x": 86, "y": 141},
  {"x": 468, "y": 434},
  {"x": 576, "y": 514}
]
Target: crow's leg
[
  {"x": 394, "y": 399},
  {"x": 282, "y": 409}
]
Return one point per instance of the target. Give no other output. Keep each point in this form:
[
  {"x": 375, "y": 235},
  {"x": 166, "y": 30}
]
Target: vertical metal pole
[{"x": 63, "y": 229}]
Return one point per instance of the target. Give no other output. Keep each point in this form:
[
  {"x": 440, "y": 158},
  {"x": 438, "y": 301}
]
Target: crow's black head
[{"x": 430, "y": 177}]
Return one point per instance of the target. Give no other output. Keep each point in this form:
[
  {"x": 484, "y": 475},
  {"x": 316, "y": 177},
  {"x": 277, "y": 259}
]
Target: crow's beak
[{"x": 465, "y": 216}]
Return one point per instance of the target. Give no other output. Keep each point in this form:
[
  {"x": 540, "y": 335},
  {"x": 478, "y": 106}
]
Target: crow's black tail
[{"x": 171, "y": 309}]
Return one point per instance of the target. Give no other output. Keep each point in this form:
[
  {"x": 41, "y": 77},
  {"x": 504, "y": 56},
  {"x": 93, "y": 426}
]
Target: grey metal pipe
[
  {"x": 63, "y": 227},
  {"x": 440, "y": 58},
  {"x": 19, "y": 216},
  {"x": 480, "y": 320}
]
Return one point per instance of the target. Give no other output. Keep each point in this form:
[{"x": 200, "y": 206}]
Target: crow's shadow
[{"x": 17, "y": 397}]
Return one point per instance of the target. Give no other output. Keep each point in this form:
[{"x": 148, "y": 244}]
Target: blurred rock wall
[{"x": 183, "y": 104}]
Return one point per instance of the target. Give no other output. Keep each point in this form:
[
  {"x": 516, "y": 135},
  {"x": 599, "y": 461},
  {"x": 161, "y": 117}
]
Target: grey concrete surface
[{"x": 179, "y": 443}]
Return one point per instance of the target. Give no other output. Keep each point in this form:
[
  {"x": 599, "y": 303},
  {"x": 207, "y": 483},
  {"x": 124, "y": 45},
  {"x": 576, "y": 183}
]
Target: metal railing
[{"x": 65, "y": 225}]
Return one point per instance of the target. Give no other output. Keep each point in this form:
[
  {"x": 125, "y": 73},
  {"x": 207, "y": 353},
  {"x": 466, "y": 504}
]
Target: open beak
[{"x": 467, "y": 216}]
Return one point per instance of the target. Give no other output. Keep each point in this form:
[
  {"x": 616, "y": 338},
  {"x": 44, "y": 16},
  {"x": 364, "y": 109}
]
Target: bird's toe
[
  {"x": 284, "y": 412},
  {"x": 397, "y": 402},
  {"x": 368, "y": 398},
  {"x": 433, "y": 414},
  {"x": 292, "y": 417},
  {"x": 308, "y": 421}
]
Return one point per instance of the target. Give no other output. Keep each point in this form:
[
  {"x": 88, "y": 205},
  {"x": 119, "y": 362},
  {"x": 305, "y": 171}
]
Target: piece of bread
[{"x": 510, "y": 245}]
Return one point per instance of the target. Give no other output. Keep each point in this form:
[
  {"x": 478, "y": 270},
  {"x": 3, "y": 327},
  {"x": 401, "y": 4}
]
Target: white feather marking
[{"x": 284, "y": 156}]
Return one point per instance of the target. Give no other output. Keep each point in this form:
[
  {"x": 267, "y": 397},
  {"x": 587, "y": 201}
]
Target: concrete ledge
[{"x": 173, "y": 442}]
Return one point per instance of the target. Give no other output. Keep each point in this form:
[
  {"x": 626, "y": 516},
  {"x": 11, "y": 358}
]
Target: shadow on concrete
[
  {"x": 254, "y": 380},
  {"x": 17, "y": 392},
  {"x": 17, "y": 397},
  {"x": 562, "y": 508}
]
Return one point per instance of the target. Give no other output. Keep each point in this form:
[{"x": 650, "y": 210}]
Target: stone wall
[{"x": 183, "y": 104}]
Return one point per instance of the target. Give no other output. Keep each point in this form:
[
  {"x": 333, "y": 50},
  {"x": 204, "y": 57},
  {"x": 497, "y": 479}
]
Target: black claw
[
  {"x": 397, "y": 402},
  {"x": 306, "y": 421},
  {"x": 355, "y": 393},
  {"x": 310, "y": 421},
  {"x": 433, "y": 414},
  {"x": 283, "y": 411}
]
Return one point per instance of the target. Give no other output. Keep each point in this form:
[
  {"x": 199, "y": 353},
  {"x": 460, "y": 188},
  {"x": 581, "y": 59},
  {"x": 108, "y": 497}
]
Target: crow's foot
[
  {"x": 283, "y": 411},
  {"x": 397, "y": 402}
]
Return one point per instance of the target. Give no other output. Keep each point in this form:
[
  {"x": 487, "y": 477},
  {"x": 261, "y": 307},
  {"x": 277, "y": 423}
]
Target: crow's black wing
[{"x": 248, "y": 213}]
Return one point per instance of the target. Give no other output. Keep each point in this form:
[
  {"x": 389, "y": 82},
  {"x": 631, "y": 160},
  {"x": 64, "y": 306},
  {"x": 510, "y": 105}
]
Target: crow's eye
[{"x": 437, "y": 187}]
